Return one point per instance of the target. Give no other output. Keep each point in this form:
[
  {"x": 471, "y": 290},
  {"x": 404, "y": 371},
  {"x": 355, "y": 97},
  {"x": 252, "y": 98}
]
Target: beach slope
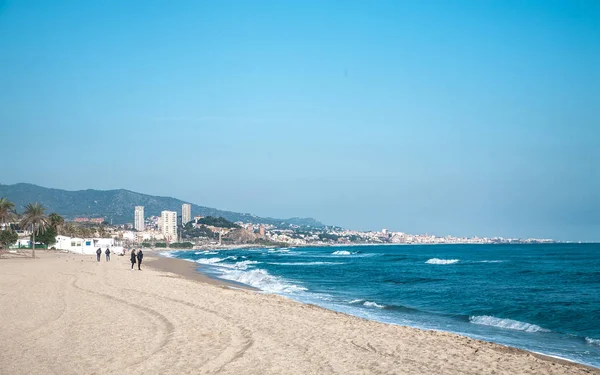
[{"x": 68, "y": 314}]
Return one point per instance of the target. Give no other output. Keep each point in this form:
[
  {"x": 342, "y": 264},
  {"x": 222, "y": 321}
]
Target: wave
[
  {"x": 305, "y": 263},
  {"x": 442, "y": 261},
  {"x": 490, "y": 261},
  {"x": 492, "y": 321},
  {"x": 243, "y": 265},
  {"x": 592, "y": 341},
  {"x": 262, "y": 280},
  {"x": 367, "y": 303},
  {"x": 373, "y": 304},
  {"x": 209, "y": 260},
  {"x": 206, "y": 252},
  {"x": 341, "y": 252},
  {"x": 283, "y": 250},
  {"x": 168, "y": 254}
]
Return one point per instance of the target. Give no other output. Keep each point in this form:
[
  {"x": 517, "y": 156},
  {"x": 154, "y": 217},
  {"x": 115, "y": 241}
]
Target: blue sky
[{"x": 446, "y": 117}]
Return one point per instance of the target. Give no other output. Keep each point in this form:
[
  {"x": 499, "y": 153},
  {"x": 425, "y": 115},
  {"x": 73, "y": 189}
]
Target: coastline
[
  {"x": 103, "y": 318},
  {"x": 179, "y": 267}
]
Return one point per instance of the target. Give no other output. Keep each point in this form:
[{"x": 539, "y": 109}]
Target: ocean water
[{"x": 543, "y": 298}]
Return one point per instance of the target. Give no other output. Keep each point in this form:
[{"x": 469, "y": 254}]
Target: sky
[{"x": 444, "y": 117}]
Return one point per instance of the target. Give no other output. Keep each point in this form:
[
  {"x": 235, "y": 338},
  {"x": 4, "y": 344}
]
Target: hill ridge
[{"x": 118, "y": 204}]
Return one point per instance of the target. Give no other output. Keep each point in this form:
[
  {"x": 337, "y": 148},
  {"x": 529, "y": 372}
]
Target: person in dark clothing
[
  {"x": 98, "y": 252},
  {"x": 140, "y": 256},
  {"x": 107, "y": 252},
  {"x": 133, "y": 258}
]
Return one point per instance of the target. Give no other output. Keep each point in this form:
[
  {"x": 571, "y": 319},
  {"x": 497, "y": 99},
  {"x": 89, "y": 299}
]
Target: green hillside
[{"x": 118, "y": 205}]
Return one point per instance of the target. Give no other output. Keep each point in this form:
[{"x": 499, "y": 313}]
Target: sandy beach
[{"x": 68, "y": 314}]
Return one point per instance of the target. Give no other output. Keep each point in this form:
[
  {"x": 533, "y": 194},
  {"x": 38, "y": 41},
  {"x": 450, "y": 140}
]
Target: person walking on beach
[
  {"x": 140, "y": 256},
  {"x": 107, "y": 252},
  {"x": 98, "y": 252},
  {"x": 133, "y": 258}
]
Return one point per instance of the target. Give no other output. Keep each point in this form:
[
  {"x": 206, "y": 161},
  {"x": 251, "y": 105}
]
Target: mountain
[{"x": 118, "y": 205}]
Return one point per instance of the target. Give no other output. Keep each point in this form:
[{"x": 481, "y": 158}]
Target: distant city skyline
[{"x": 464, "y": 118}]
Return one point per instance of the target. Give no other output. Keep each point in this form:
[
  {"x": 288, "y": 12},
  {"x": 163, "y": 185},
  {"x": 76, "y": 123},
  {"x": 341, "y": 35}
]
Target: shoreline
[
  {"x": 178, "y": 266},
  {"x": 103, "y": 318}
]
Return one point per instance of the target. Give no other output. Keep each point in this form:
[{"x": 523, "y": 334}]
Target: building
[
  {"x": 169, "y": 225},
  {"x": 138, "y": 218},
  {"x": 97, "y": 220},
  {"x": 186, "y": 213},
  {"x": 261, "y": 231}
]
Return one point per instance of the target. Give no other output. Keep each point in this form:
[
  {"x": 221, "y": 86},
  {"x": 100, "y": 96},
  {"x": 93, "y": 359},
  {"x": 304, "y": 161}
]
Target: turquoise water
[{"x": 544, "y": 298}]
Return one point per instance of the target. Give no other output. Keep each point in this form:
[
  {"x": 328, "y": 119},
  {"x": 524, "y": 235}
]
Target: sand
[{"x": 68, "y": 314}]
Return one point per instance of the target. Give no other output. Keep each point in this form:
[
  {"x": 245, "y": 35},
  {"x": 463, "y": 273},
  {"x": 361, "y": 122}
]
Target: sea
[{"x": 541, "y": 297}]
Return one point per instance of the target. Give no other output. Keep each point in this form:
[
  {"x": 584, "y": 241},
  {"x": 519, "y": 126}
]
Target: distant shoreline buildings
[
  {"x": 186, "y": 213},
  {"x": 138, "y": 218},
  {"x": 168, "y": 225}
]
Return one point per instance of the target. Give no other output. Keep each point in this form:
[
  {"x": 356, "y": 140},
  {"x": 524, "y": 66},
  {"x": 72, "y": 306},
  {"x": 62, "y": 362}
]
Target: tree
[
  {"x": 56, "y": 221},
  {"x": 7, "y": 211},
  {"x": 8, "y": 237},
  {"x": 69, "y": 229},
  {"x": 48, "y": 236},
  {"x": 35, "y": 218}
]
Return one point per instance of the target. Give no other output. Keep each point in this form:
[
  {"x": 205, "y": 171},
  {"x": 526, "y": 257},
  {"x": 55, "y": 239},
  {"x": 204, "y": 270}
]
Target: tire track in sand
[
  {"x": 229, "y": 354},
  {"x": 169, "y": 327}
]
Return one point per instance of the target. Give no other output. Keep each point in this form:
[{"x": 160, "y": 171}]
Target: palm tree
[
  {"x": 34, "y": 217},
  {"x": 69, "y": 229},
  {"x": 7, "y": 212},
  {"x": 56, "y": 222}
]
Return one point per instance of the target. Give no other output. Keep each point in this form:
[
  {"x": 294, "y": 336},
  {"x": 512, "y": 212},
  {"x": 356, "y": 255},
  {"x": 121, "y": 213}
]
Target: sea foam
[
  {"x": 592, "y": 341},
  {"x": 262, "y": 280},
  {"x": 341, "y": 252},
  {"x": 442, "y": 261},
  {"x": 492, "y": 321},
  {"x": 209, "y": 260},
  {"x": 373, "y": 304}
]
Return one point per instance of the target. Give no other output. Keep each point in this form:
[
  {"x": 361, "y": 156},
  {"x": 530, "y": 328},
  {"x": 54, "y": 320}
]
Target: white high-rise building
[
  {"x": 186, "y": 213},
  {"x": 169, "y": 225},
  {"x": 138, "y": 218}
]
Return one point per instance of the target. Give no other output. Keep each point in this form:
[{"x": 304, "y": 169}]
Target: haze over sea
[{"x": 543, "y": 298}]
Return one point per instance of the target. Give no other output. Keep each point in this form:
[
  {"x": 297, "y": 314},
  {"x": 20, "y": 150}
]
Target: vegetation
[
  {"x": 34, "y": 217},
  {"x": 160, "y": 244},
  {"x": 146, "y": 244},
  {"x": 218, "y": 222},
  {"x": 189, "y": 231},
  {"x": 8, "y": 237},
  {"x": 48, "y": 236},
  {"x": 181, "y": 245},
  {"x": 56, "y": 221},
  {"x": 7, "y": 212}
]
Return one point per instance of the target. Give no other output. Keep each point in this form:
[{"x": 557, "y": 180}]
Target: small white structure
[{"x": 86, "y": 245}]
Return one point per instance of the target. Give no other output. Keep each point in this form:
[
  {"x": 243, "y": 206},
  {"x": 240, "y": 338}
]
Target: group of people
[
  {"x": 136, "y": 258},
  {"x": 139, "y": 256},
  {"x": 99, "y": 253}
]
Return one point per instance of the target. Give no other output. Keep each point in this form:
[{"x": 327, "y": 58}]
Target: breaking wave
[
  {"x": 373, "y": 304},
  {"x": 341, "y": 252},
  {"x": 262, "y": 280},
  {"x": 442, "y": 261},
  {"x": 492, "y": 321},
  {"x": 592, "y": 341},
  {"x": 366, "y": 303}
]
